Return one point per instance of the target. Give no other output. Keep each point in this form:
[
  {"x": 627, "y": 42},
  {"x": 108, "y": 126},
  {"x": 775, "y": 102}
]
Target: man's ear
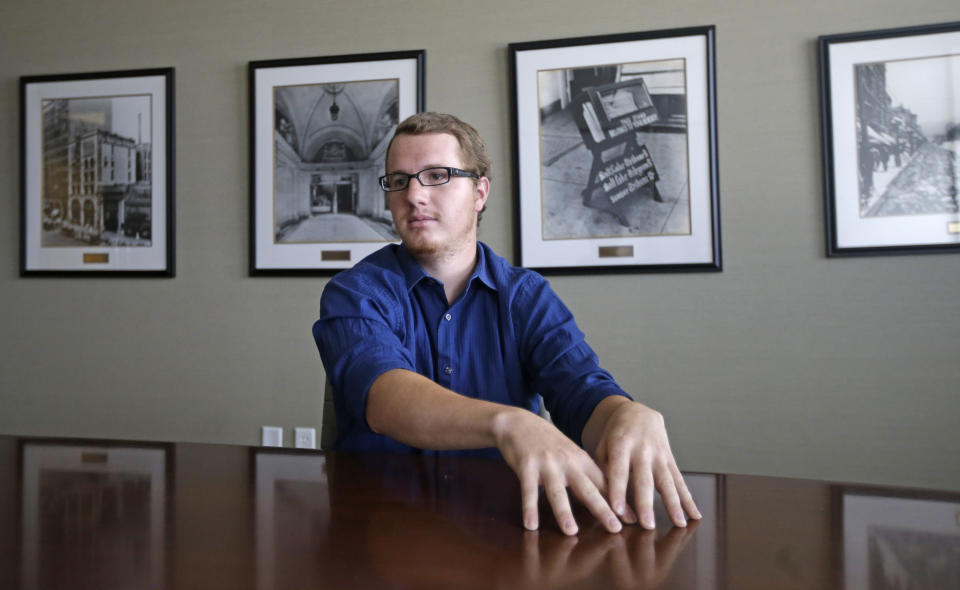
[{"x": 482, "y": 192}]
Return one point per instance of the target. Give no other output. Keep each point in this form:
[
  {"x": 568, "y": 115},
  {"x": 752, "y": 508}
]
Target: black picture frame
[
  {"x": 615, "y": 152},
  {"x": 315, "y": 205},
  {"x": 891, "y": 139},
  {"x": 910, "y": 531},
  {"x": 97, "y": 174}
]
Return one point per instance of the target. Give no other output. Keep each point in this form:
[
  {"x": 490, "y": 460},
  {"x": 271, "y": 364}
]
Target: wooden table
[{"x": 95, "y": 514}]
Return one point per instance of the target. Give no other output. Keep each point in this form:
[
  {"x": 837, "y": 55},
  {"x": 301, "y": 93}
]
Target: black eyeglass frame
[{"x": 451, "y": 172}]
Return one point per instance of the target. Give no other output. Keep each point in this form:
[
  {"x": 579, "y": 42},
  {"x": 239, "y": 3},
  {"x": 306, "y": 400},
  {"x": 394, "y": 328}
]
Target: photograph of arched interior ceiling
[{"x": 330, "y": 145}]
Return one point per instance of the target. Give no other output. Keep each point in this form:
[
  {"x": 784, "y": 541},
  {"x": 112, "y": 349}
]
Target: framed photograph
[
  {"x": 319, "y": 130},
  {"x": 115, "y": 495},
  {"x": 615, "y": 152},
  {"x": 908, "y": 540},
  {"x": 292, "y": 499},
  {"x": 891, "y": 140},
  {"x": 96, "y": 178}
]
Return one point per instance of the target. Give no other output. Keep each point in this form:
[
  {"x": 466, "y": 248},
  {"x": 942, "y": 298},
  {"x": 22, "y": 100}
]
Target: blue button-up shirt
[{"x": 506, "y": 339}]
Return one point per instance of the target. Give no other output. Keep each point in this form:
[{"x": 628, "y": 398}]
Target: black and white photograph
[
  {"x": 319, "y": 132},
  {"x": 315, "y": 133},
  {"x": 892, "y": 140},
  {"x": 604, "y": 130},
  {"x": 97, "y": 196},
  {"x": 73, "y": 491},
  {"x": 900, "y": 543},
  {"x": 96, "y": 171},
  {"x": 616, "y": 162}
]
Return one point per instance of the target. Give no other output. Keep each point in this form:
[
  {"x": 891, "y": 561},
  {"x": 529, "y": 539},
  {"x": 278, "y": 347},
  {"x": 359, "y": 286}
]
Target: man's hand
[
  {"x": 542, "y": 455},
  {"x": 627, "y": 439},
  {"x": 629, "y": 442}
]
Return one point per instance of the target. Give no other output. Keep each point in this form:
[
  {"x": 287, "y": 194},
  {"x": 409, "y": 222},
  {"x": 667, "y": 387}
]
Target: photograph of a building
[
  {"x": 97, "y": 172},
  {"x": 330, "y": 145}
]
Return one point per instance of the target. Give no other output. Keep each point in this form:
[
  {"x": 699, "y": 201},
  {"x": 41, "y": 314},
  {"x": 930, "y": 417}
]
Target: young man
[{"x": 438, "y": 344}]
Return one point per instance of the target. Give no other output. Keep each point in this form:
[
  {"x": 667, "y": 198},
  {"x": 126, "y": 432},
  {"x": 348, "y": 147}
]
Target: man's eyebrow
[{"x": 427, "y": 167}]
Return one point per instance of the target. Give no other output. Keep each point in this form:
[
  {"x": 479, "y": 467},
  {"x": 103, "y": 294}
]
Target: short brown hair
[{"x": 472, "y": 149}]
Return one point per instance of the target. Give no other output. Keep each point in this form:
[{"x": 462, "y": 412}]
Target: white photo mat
[
  {"x": 865, "y": 516},
  {"x": 266, "y": 254},
  {"x": 153, "y": 258},
  {"x": 700, "y": 245},
  {"x": 851, "y": 229}
]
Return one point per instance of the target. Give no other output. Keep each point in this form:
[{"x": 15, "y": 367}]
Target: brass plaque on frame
[
  {"x": 615, "y": 251},
  {"x": 337, "y": 255},
  {"x": 96, "y": 258}
]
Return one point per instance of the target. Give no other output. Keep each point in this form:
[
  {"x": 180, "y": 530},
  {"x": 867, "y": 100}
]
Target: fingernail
[
  {"x": 697, "y": 515},
  {"x": 613, "y": 525},
  {"x": 679, "y": 519},
  {"x": 619, "y": 508},
  {"x": 648, "y": 522},
  {"x": 530, "y": 525},
  {"x": 570, "y": 527}
]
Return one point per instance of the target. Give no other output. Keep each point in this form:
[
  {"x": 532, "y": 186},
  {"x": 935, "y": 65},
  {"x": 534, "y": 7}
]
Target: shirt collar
[
  {"x": 482, "y": 271},
  {"x": 413, "y": 273}
]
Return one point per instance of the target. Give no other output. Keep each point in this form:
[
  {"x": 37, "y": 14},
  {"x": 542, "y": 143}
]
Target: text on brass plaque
[{"x": 616, "y": 251}]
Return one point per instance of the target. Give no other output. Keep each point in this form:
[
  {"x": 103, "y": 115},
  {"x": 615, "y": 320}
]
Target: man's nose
[{"x": 416, "y": 192}]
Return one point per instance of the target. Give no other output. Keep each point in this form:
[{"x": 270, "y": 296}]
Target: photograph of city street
[
  {"x": 614, "y": 150},
  {"x": 330, "y": 142},
  {"x": 908, "y": 137},
  {"x": 97, "y": 172}
]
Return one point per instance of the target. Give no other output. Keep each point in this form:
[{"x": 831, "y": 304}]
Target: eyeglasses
[{"x": 397, "y": 181}]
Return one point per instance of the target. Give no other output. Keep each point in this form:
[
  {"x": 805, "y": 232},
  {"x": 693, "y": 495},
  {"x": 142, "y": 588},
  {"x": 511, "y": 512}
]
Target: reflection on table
[{"x": 96, "y": 514}]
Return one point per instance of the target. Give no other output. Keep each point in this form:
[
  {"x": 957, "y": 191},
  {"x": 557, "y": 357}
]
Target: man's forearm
[{"x": 414, "y": 410}]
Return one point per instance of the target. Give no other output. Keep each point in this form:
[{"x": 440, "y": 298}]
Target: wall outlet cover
[
  {"x": 305, "y": 438},
  {"x": 272, "y": 436}
]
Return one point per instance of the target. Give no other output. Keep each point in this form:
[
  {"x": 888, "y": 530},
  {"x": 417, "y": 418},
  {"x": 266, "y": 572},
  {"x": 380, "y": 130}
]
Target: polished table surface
[{"x": 104, "y": 515}]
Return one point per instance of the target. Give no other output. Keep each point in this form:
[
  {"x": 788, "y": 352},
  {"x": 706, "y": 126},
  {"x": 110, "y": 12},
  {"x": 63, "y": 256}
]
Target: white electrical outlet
[
  {"x": 272, "y": 436},
  {"x": 305, "y": 438}
]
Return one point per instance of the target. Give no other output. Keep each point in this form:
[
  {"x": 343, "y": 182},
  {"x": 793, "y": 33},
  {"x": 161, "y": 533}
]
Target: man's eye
[
  {"x": 436, "y": 176},
  {"x": 397, "y": 181}
]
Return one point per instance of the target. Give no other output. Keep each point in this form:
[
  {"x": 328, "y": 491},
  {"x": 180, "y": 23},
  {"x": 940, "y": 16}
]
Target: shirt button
[
  {"x": 447, "y": 370},
  {"x": 448, "y": 317}
]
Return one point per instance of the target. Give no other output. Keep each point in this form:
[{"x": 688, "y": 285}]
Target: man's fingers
[
  {"x": 529, "y": 495},
  {"x": 618, "y": 474},
  {"x": 629, "y": 516},
  {"x": 591, "y": 497},
  {"x": 686, "y": 498},
  {"x": 556, "y": 491},
  {"x": 667, "y": 487},
  {"x": 643, "y": 494}
]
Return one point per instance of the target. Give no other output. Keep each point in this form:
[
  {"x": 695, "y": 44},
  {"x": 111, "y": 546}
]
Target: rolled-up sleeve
[
  {"x": 559, "y": 363},
  {"x": 358, "y": 336}
]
